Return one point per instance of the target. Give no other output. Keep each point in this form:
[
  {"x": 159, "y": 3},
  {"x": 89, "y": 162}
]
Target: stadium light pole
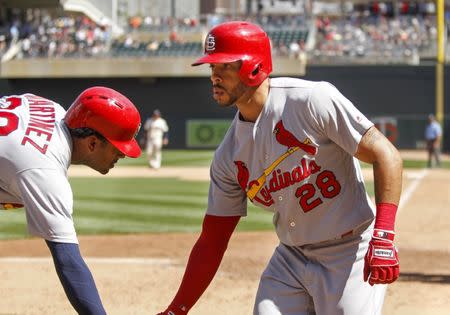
[{"x": 440, "y": 61}]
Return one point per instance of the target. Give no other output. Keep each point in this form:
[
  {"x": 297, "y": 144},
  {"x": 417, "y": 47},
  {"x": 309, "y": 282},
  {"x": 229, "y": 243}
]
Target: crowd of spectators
[
  {"x": 404, "y": 38},
  {"x": 41, "y": 34},
  {"x": 163, "y": 24},
  {"x": 288, "y": 34},
  {"x": 375, "y": 33}
]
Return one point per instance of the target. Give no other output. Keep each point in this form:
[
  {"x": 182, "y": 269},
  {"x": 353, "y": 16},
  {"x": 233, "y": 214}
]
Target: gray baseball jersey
[
  {"x": 35, "y": 153},
  {"x": 297, "y": 161}
]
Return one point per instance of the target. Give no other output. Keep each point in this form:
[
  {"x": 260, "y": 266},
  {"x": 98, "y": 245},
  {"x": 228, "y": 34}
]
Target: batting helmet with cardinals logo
[
  {"x": 109, "y": 113},
  {"x": 237, "y": 40}
]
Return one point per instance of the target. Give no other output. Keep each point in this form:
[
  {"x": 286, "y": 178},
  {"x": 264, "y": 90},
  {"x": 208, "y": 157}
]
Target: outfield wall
[{"x": 399, "y": 98}]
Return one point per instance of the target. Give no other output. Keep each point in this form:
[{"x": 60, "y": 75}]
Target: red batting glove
[{"x": 381, "y": 265}]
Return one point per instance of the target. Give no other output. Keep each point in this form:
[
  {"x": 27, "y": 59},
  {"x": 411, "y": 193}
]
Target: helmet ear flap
[
  {"x": 255, "y": 71},
  {"x": 252, "y": 73}
]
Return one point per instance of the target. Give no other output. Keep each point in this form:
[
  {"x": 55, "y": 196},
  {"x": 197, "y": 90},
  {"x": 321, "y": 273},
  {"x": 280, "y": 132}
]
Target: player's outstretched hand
[{"x": 381, "y": 265}]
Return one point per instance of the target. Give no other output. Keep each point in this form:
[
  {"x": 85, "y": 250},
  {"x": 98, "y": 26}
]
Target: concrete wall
[{"x": 124, "y": 67}]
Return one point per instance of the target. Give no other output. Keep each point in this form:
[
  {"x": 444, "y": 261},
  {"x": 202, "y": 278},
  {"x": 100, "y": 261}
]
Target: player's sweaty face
[
  {"x": 227, "y": 85},
  {"x": 106, "y": 156}
]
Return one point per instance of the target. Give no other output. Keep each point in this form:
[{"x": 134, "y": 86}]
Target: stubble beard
[
  {"x": 233, "y": 95},
  {"x": 231, "y": 102}
]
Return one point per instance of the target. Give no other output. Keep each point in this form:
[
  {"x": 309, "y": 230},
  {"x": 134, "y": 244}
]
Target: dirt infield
[{"x": 139, "y": 274}]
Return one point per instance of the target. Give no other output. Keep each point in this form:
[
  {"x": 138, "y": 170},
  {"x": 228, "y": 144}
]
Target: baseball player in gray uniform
[
  {"x": 293, "y": 149},
  {"x": 38, "y": 142}
]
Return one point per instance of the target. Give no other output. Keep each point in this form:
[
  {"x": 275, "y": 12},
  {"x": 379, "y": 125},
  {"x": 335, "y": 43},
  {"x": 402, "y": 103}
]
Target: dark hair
[{"x": 85, "y": 132}]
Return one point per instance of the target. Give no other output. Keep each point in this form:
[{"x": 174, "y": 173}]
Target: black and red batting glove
[{"x": 381, "y": 264}]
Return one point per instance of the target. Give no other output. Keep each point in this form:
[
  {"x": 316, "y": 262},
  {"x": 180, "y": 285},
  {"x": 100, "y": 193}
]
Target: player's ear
[{"x": 91, "y": 143}]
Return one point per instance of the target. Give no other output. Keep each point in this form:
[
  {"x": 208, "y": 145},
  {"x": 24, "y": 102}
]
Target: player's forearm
[
  {"x": 387, "y": 173},
  {"x": 204, "y": 261},
  {"x": 76, "y": 278},
  {"x": 376, "y": 149},
  {"x": 202, "y": 266}
]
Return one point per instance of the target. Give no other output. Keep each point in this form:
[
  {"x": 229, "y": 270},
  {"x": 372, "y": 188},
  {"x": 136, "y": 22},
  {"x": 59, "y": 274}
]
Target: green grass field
[
  {"x": 175, "y": 158},
  {"x": 135, "y": 205},
  {"x": 146, "y": 205}
]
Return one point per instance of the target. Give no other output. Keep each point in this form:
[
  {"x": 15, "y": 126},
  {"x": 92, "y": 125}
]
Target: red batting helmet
[
  {"x": 109, "y": 113},
  {"x": 233, "y": 41}
]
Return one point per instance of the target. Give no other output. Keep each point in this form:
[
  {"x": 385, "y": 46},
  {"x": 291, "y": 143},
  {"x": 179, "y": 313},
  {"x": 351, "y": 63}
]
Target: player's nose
[{"x": 215, "y": 77}]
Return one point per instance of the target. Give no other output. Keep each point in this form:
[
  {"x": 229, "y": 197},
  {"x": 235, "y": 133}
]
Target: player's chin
[
  {"x": 104, "y": 170},
  {"x": 220, "y": 98},
  {"x": 224, "y": 102}
]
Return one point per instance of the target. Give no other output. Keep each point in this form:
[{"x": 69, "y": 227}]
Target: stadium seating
[
  {"x": 358, "y": 37},
  {"x": 285, "y": 37}
]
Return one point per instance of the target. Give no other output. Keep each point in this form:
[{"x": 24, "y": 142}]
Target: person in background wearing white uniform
[
  {"x": 156, "y": 135},
  {"x": 39, "y": 140},
  {"x": 293, "y": 149},
  {"x": 433, "y": 134}
]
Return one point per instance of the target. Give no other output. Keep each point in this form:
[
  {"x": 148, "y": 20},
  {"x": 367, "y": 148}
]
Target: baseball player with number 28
[
  {"x": 38, "y": 142},
  {"x": 293, "y": 149}
]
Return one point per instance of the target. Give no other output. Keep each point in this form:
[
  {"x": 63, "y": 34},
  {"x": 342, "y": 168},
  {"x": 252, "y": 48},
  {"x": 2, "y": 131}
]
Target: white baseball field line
[
  {"x": 407, "y": 193},
  {"x": 96, "y": 260}
]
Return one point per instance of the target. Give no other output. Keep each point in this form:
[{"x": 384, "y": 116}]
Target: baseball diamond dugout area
[{"x": 139, "y": 273}]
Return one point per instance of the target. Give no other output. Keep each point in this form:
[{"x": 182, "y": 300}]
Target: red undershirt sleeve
[{"x": 204, "y": 261}]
